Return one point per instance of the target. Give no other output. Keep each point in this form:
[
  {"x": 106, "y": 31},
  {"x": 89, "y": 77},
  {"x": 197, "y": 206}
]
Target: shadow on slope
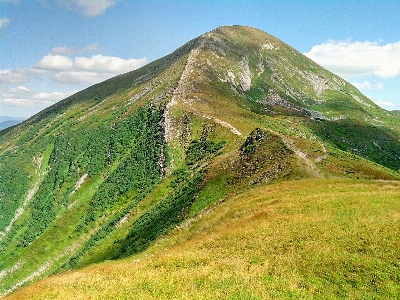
[{"x": 376, "y": 144}]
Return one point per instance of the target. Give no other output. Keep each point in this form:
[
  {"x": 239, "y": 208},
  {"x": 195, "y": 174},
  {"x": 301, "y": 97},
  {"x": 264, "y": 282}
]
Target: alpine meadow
[{"x": 233, "y": 168}]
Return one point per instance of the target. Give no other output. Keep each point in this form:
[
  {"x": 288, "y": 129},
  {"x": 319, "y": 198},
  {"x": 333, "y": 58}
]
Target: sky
[{"x": 50, "y": 49}]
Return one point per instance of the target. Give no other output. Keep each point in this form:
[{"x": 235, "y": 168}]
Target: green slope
[
  {"x": 106, "y": 172},
  {"x": 307, "y": 239}
]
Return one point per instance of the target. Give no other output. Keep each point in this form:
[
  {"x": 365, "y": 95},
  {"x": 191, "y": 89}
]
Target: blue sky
[{"x": 50, "y": 49}]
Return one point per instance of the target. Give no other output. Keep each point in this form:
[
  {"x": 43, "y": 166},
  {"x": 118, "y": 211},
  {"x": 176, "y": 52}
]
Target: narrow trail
[
  {"x": 180, "y": 95},
  {"x": 311, "y": 167},
  {"x": 224, "y": 124}
]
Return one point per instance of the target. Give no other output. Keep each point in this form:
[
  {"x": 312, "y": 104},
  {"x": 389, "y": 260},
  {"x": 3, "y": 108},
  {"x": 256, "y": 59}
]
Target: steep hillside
[
  {"x": 104, "y": 173},
  {"x": 306, "y": 239}
]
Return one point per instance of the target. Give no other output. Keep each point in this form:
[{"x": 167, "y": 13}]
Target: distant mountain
[
  {"x": 6, "y": 122},
  {"x": 104, "y": 173},
  {"x": 396, "y": 112}
]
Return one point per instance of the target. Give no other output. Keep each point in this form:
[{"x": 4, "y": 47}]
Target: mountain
[
  {"x": 6, "y": 122},
  {"x": 107, "y": 172}
]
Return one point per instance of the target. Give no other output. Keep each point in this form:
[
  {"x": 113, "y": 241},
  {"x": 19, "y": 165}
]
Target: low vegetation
[{"x": 313, "y": 239}]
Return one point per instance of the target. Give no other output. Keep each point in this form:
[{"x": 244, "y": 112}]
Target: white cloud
[
  {"x": 20, "y": 90},
  {"x": 81, "y": 77},
  {"x": 349, "y": 59},
  {"x": 72, "y": 51},
  {"x": 73, "y": 70},
  {"x": 367, "y": 85},
  {"x": 4, "y": 22},
  {"x": 17, "y": 100},
  {"x": 53, "y": 97},
  {"x": 95, "y": 63},
  {"x": 16, "y": 96},
  {"x": 22, "y": 96},
  {"x": 55, "y": 62},
  {"x": 14, "y": 76},
  {"x": 384, "y": 103},
  {"x": 100, "y": 63},
  {"x": 88, "y": 7},
  {"x": 91, "y": 70}
]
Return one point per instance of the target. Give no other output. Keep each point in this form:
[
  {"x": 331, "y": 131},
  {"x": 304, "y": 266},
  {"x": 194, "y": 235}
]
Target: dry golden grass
[{"x": 308, "y": 239}]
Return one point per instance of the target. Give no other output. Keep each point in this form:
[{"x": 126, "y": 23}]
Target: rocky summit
[{"x": 114, "y": 169}]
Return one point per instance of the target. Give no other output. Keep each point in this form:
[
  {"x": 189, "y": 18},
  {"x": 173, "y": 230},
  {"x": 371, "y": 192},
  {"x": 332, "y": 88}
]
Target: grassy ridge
[{"x": 306, "y": 239}]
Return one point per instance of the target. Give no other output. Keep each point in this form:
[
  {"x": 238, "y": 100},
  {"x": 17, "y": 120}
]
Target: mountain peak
[
  {"x": 240, "y": 29},
  {"x": 250, "y": 60},
  {"x": 241, "y": 35}
]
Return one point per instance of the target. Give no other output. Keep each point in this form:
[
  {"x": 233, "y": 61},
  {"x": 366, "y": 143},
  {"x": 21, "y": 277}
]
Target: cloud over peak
[
  {"x": 351, "y": 59},
  {"x": 367, "y": 85},
  {"x": 385, "y": 104}
]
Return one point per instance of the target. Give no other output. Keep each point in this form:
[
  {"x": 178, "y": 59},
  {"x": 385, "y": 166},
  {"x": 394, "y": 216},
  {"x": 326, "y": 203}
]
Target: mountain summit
[{"x": 104, "y": 173}]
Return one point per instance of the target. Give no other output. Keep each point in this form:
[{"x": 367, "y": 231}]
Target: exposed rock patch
[
  {"x": 79, "y": 183},
  {"x": 245, "y": 75}
]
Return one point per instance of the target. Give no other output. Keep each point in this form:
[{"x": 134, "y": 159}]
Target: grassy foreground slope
[{"x": 306, "y": 239}]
